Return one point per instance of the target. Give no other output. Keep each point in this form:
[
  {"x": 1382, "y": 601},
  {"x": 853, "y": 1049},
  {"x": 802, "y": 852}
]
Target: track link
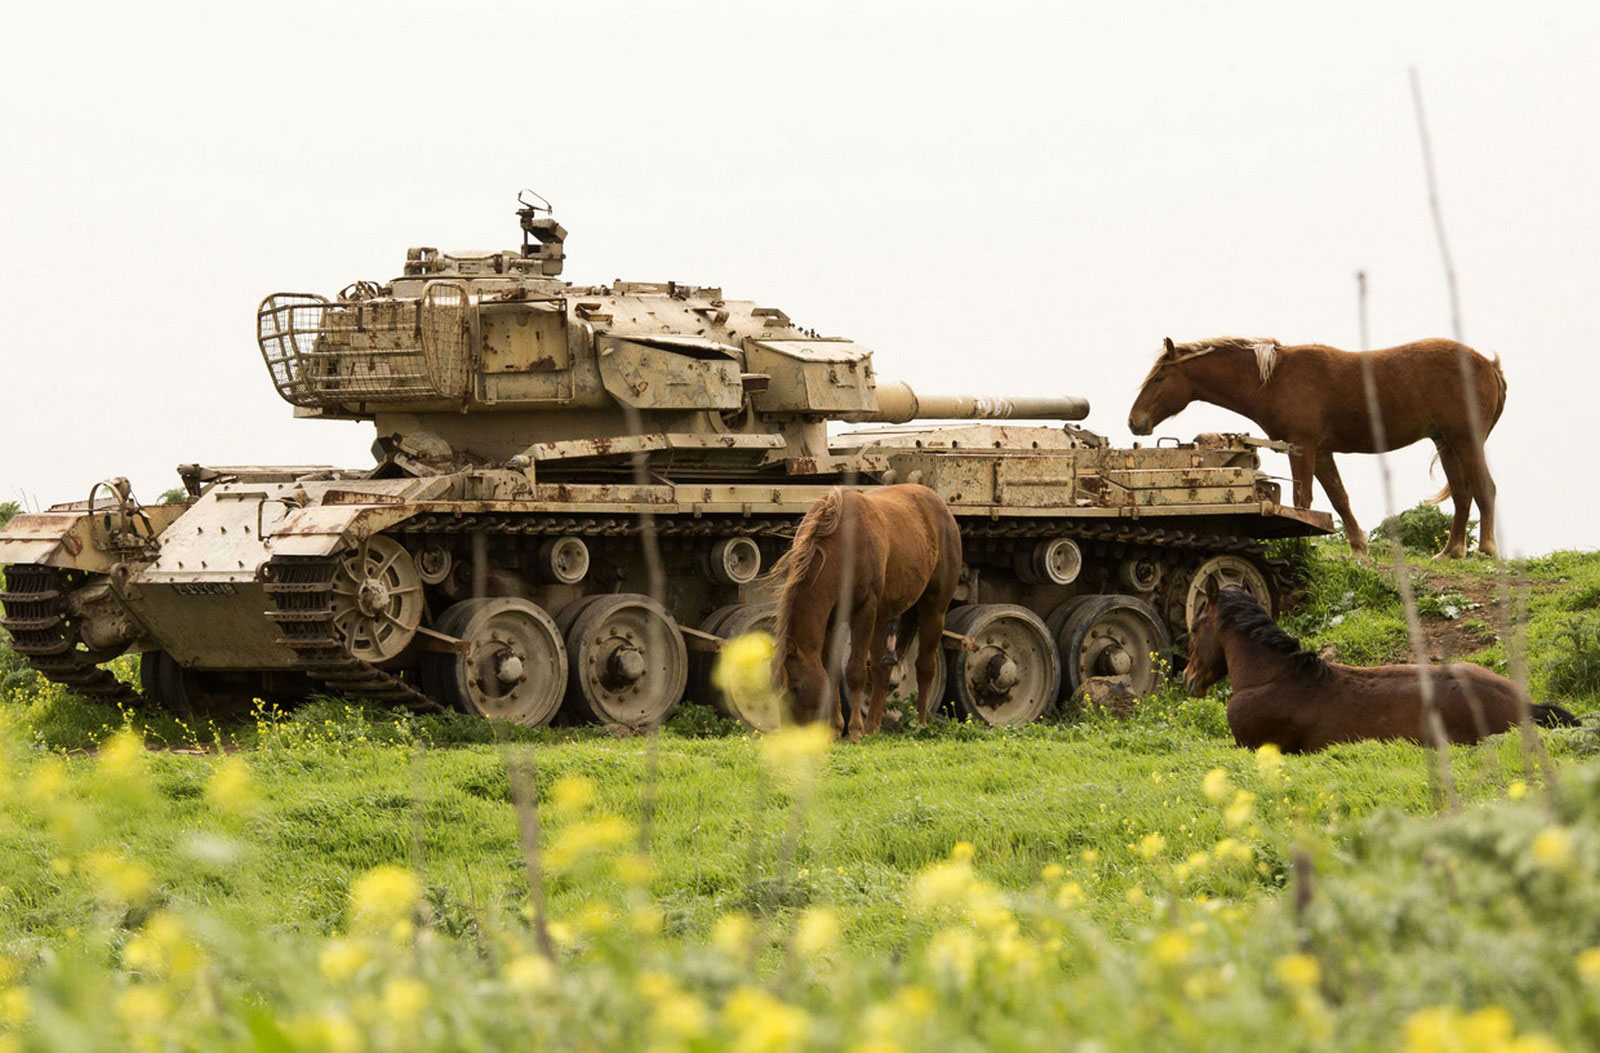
[
  {"x": 41, "y": 631},
  {"x": 301, "y": 589}
]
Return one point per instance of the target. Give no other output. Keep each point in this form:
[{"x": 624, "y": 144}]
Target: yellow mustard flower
[
  {"x": 733, "y": 934},
  {"x": 1216, "y": 786},
  {"x": 405, "y": 999},
  {"x": 1299, "y": 971},
  {"x": 383, "y": 896},
  {"x": 342, "y": 959},
  {"x": 230, "y": 789},
  {"x": 118, "y": 880},
  {"x": 1152, "y": 845},
  {"x": 16, "y": 1007},
  {"x": 762, "y": 1024},
  {"x": 122, "y": 756},
  {"x": 530, "y": 973},
  {"x": 1588, "y": 963},
  {"x": 817, "y": 931},
  {"x": 1269, "y": 763},
  {"x": 743, "y": 671},
  {"x": 1517, "y": 790},
  {"x": 572, "y": 793},
  {"x": 1171, "y": 947},
  {"x": 1552, "y": 847}
]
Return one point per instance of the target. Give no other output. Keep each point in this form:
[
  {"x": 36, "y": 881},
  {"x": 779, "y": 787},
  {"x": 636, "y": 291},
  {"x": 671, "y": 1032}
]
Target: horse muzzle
[{"x": 1140, "y": 427}]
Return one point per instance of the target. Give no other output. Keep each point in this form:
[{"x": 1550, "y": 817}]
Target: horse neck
[
  {"x": 1250, "y": 664},
  {"x": 807, "y": 603},
  {"x": 1230, "y": 379}
]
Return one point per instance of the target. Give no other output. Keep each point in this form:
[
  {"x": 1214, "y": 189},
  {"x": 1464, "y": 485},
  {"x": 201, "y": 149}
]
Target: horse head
[
  {"x": 1207, "y": 661},
  {"x": 1165, "y": 391}
]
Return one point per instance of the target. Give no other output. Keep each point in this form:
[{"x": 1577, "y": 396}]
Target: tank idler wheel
[
  {"x": 1012, "y": 674},
  {"x": 1228, "y": 571},
  {"x": 1119, "y": 638},
  {"x": 903, "y": 684},
  {"x": 377, "y": 599},
  {"x": 626, "y": 659},
  {"x": 434, "y": 564},
  {"x": 760, "y": 713},
  {"x": 515, "y": 668},
  {"x": 1053, "y": 561},
  {"x": 196, "y": 694}
]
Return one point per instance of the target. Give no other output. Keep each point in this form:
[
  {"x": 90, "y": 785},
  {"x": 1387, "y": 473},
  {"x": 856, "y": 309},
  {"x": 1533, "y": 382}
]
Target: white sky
[{"x": 996, "y": 197}]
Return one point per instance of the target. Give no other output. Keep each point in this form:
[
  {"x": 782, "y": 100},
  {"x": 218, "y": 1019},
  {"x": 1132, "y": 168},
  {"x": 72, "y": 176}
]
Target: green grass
[{"x": 1107, "y": 895}]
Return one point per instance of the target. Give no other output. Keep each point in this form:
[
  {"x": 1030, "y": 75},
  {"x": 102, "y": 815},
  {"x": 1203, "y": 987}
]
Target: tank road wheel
[
  {"x": 627, "y": 661},
  {"x": 1013, "y": 674},
  {"x": 515, "y": 668},
  {"x": 729, "y": 622},
  {"x": 196, "y": 694},
  {"x": 1119, "y": 638},
  {"x": 377, "y": 600},
  {"x": 1235, "y": 571}
]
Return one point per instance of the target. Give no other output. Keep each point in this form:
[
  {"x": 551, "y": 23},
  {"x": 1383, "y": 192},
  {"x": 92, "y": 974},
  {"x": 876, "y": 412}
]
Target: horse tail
[
  {"x": 796, "y": 565},
  {"x": 1500, "y": 395},
  {"x": 1442, "y": 494},
  {"x": 1551, "y": 716},
  {"x": 904, "y": 632}
]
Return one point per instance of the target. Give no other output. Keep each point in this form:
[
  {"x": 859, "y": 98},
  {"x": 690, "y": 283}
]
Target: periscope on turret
[{"x": 535, "y": 439}]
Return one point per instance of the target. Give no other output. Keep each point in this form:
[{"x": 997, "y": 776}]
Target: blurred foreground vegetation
[{"x": 346, "y": 878}]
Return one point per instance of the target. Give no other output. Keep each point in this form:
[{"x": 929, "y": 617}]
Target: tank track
[
  {"x": 301, "y": 589},
  {"x": 41, "y": 631},
  {"x": 1117, "y": 532}
]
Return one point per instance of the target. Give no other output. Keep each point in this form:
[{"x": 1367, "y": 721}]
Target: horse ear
[
  {"x": 1169, "y": 350},
  {"x": 1213, "y": 590}
]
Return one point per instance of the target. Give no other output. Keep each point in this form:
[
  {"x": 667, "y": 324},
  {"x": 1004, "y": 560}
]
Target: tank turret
[{"x": 483, "y": 357}]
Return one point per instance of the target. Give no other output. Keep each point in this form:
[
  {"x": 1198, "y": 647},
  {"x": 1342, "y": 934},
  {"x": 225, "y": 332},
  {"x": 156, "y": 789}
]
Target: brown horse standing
[
  {"x": 899, "y": 552},
  {"x": 1288, "y": 696},
  {"x": 1315, "y": 398}
]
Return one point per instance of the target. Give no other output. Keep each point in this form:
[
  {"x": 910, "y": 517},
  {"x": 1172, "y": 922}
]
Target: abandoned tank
[{"x": 575, "y": 491}]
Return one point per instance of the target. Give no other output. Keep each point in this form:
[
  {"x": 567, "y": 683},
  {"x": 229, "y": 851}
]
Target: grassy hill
[{"x": 346, "y": 878}]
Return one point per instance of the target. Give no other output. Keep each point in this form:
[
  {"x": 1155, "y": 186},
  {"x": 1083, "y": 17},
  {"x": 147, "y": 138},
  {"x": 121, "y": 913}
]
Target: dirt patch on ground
[{"x": 1462, "y": 613}]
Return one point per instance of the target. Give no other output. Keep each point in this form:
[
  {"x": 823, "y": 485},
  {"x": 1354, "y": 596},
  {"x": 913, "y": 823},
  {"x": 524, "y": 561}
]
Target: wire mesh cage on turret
[{"x": 324, "y": 353}]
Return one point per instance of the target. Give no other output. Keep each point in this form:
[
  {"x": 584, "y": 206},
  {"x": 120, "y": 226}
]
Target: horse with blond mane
[
  {"x": 863, "y": 559},
  {"x": 1314, "y": 397}
]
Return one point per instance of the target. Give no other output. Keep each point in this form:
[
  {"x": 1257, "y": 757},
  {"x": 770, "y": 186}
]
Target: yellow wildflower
[
  {"x": 1241, "y": 810},
  {"x": 603, "y": 833},
  {"x": 142, "y": 1008},
  {"x": 794, "y": 755},
  {"x": 961, "y": 851},
  {"x": 1070, "y": 894},
  {"x": 1152, "y": 845},
  {"x": 163, "y": 947},
  {"x": 404, "y": 999},
  {"x": 1588, "y": 963},
  {"x": 122, "y": 755},
  {"x": 1517, "y": 790},
  {"x": 230, "y": 789},
  {"x": 679, "y": 1015},
  {"x": 1269, "y": 762},
  {"x": 1552, "y": 847},
  {"x": 341, "y": 959},
  {"x": 118, "y": 880},
  {"x": 743, "y": 671},
  {"x": 1299, "y": 971},
  {"x": 645, "y": 919},
  {"x": 1171, "y": 947},
  {"x": 382, "y": 897},
  {"x": 572, "y": 793},
  {"x": 1052, "y": 872},
  {"x": 733, "y": 934},
  {"x": 47, "y": 782},
  {"x": 530, "y": 973},
  {"x": 1216, "y": 786},
  {"x": 953, "y": 954},
  {"x": 817, "y": 931},
  {"x": 16, "y": 1008},
  {"x": 1136, "y": 897},
  {"x": 762, "y": 1023}
]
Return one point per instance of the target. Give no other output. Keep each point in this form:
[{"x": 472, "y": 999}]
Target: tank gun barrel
[{"x": 897, "y": 404}]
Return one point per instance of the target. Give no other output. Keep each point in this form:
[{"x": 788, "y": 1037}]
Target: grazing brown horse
[
  {"x": 899, "y": 552},
  {"x": 1314, "y": 397},
  {"x": 1288, "y": 696}
]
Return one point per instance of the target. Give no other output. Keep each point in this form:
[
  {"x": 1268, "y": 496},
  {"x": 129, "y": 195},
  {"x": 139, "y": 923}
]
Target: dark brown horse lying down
[{"x": 1288, "y": 696}]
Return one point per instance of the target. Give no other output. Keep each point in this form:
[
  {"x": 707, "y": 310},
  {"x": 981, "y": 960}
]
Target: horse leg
[
  {"x": 1455, "y": 474},
  {"x": 1303, "y": 467},
  {"x": 1328, "y": 476},
  {"x": 930, "y": 639},
  {"x": 858, "y": 670},
  {"x": 880, "y": 660},
  {"x": 1483, "y": 492}
]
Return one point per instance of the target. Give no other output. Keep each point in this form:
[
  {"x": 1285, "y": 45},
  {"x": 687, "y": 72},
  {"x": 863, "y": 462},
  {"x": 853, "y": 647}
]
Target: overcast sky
[{"x": 995, "y": 197}]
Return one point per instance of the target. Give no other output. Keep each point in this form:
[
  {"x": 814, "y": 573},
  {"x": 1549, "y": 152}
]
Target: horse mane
[
  {"x": 1239, "y": 611},
  {"x": 795, "y": 565},
  {"x": 1263, "y": 347}
]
